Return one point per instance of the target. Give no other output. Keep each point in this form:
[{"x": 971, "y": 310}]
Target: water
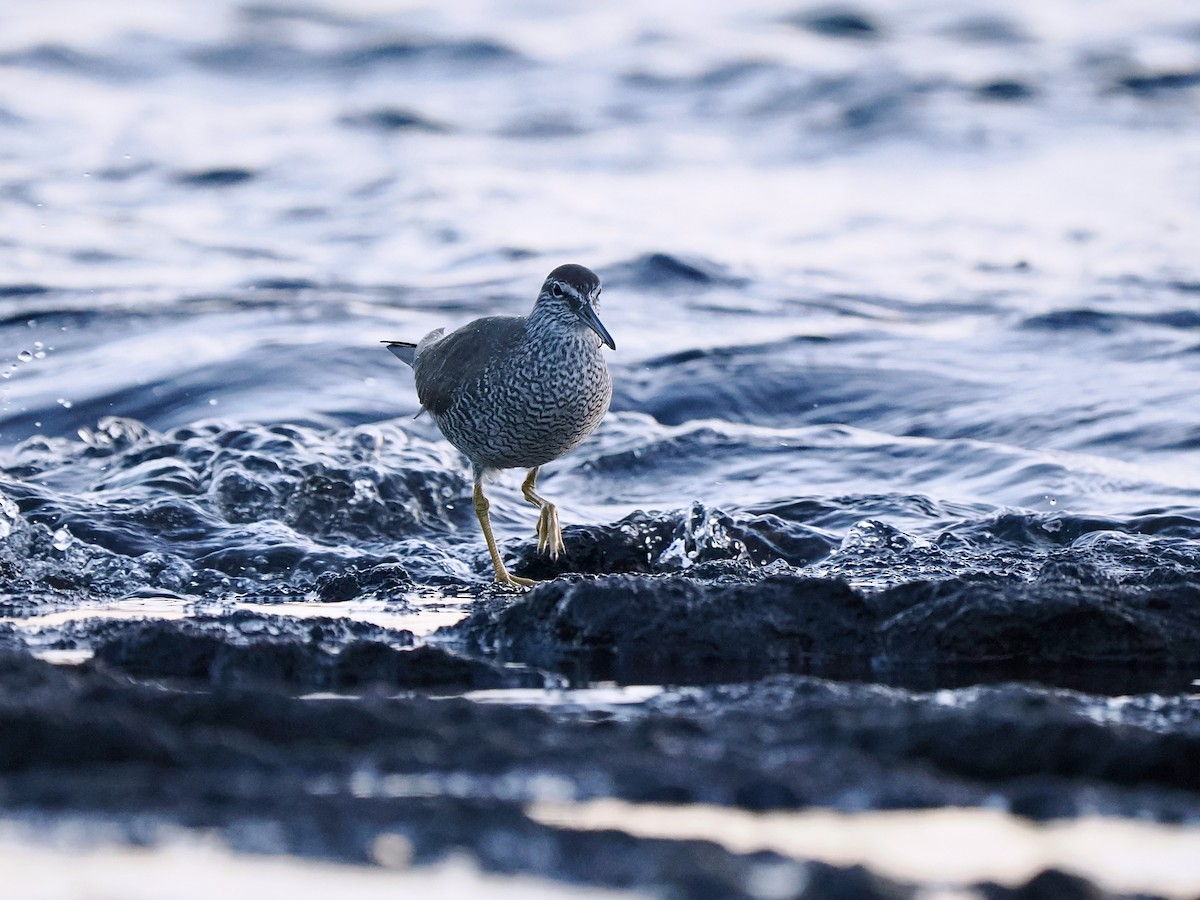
[
  {"x": 906, "y": 293},
  {"x": 924, "y": 270},
  {"x": 944, "y": 846}
]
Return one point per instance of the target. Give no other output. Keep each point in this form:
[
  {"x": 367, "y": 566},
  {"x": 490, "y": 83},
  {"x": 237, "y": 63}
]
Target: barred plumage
[{"x": 518, "y": 392}]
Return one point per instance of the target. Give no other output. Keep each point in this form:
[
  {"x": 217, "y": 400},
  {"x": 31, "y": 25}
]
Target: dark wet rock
[
  {"x": 454, "y": 774},
  {"x": 11, "y": 638},
  {"x": 425, "y": 668},
  {"x": 1002, "y": 735},
  {"x": 44, "y": 560},
  {"x": 355, "y": 583},
  {"x": 837, "y": 22},
  {"x": 724, "y": 621},
  {"x": 656, "y": 543},
  {"x": 1052, "y": 884},
  {"x": 240, "y": 626},
  {"x": 215, "y": 178},
  {"x": 206, "y": 507},
  {"x": 294, "y": 655},
  {"x": 1142, "y": 551},
  {"x": 166, "y": 650},
  {"x": 673, "y": 628},
  {"x": 390, "y": 120},
  {"x": 1072, "y": 614}
]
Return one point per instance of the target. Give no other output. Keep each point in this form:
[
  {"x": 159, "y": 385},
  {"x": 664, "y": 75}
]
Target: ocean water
[{"x": 915, "y": 275}]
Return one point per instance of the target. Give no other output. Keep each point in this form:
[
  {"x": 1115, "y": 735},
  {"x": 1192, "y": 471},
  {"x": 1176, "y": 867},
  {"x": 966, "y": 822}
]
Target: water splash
[
  {"x": 9, "y": 511},
  {"x": 62, "y": 539}
]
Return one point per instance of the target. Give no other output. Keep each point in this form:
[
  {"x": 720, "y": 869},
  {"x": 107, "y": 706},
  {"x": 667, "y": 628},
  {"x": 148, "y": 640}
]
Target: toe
[{"x": 515, "y": 580}]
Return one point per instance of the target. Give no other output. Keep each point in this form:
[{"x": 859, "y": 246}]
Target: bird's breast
[{"x": 530, "y": 407}]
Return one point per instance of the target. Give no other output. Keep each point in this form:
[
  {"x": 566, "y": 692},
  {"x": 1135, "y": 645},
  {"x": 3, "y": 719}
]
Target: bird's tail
[{"x": 403, "y": 351}]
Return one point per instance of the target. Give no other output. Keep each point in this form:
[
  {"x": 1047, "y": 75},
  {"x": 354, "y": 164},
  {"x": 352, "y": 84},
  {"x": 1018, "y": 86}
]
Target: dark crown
[{"x": 583, "y": 279}]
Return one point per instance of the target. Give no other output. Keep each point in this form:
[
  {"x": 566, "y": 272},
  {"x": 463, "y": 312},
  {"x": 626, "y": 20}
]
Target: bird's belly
[{"x": 512, "y": 425}]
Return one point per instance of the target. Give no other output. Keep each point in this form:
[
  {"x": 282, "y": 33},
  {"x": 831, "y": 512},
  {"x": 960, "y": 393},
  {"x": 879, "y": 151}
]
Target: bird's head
[{"x": 571, "y": 294}]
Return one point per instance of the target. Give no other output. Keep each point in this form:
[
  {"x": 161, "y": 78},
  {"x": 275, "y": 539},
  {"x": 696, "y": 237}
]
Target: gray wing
[{"x": 448, "y": 366}]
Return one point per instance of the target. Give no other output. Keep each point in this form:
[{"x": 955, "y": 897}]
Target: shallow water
[
  {"x": 901, "y": 292},
  {"x": 73, "y": 867},
  {"x": 952, "y": 847}
]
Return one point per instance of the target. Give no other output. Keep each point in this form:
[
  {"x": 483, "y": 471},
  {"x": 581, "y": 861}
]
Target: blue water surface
[{"x": 918, "y": 281}]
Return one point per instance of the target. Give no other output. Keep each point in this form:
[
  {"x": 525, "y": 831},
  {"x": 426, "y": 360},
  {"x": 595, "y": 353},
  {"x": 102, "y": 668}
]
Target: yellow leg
[
  {"x": 481, "y": 511},
  {"x": 549, "y": 532}
]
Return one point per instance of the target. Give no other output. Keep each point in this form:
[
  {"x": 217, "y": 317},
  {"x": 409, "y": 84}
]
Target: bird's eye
[{"x": 556, "y": 290}]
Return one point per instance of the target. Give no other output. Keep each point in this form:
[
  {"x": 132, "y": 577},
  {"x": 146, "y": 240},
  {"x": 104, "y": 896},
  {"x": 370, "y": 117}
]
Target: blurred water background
[{"x": 915, "y": 264}]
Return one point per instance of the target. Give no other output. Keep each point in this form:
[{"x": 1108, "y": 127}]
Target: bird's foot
[
  {"x": 514, "y": 580},
  {"x": 549, "y": 532}
]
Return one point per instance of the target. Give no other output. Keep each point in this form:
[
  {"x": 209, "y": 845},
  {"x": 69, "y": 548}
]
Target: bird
[{"x": 518, "y": 392}]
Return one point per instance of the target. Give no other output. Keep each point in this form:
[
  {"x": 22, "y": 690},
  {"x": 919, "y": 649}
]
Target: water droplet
[
  {"x": 8, "y": 516},
  {"x": 63, "y": 402},
  {"x": 62, "y": 538},
  {"x": 24, "y": 356},
  {"x": 7, "y": 373},
  {"x": 41, "y": 354},
  {"x": 212, "y": 401},
  {"x": 364, "y": 490}
]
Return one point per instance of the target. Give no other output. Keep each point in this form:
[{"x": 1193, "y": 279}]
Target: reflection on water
[
  {"x": 953, "y": 846},
  {"x": 119, "y": 609},
  {"x": 597, "y": 696},
  {"x": 421, "y": 621},
  {"x": 191, "y": 869}
]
